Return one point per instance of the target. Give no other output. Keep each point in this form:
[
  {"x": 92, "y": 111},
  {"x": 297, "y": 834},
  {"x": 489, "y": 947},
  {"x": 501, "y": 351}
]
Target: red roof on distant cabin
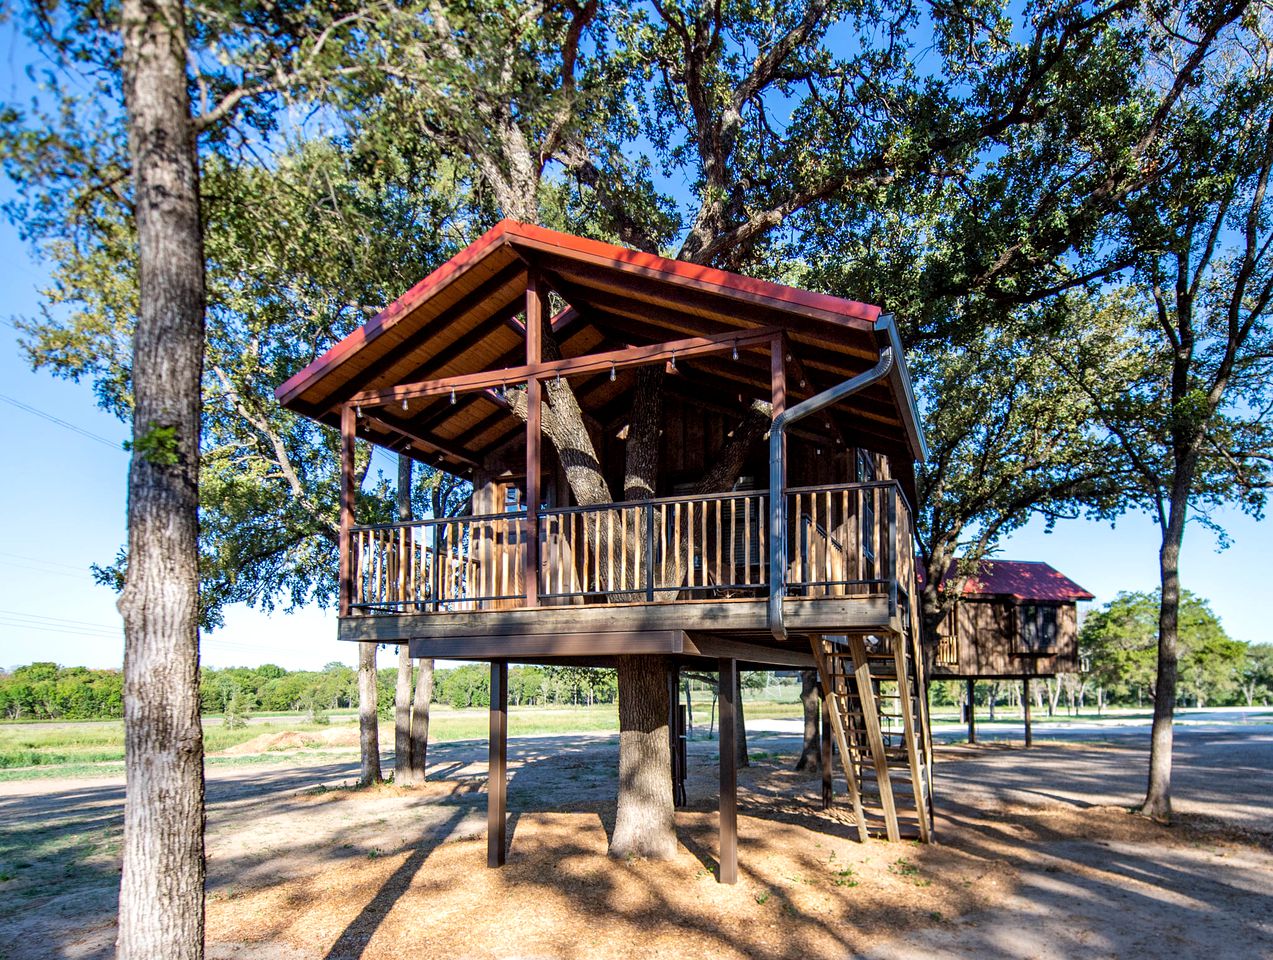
[{"x": 1021, "y": 580}]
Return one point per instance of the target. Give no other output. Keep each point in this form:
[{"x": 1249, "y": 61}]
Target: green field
[{"x": 96, "y": 748}]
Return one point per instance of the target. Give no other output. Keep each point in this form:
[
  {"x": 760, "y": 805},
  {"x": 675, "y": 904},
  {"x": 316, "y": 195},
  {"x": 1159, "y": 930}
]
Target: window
[
  {"x": 865, "y": 467},
  {"x": 1038, "y": 628}
]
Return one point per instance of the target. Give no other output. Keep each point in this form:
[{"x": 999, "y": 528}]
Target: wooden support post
[
  {"x": 972, "y": 710},
  {"x": 534, "y": 434},
  {"x": 676, "y": 734},
  {"x": 919, "y": 785},
  {"x": 824, "y": 748},
  {"x": 497, "y": 782},
  {"x": 728, "y": 772},
  {"x": 348, "y": 427},
  {"x": 1025, "y": 705},
  {"x": 874, "y": 736}
]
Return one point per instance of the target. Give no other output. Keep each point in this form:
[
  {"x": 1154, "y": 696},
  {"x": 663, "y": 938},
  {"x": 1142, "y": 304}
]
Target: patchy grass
[{"x": 96, "y": 748}]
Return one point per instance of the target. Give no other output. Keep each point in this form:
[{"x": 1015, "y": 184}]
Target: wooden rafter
[
  {"x": 431, "y": 443},
  {"x": 569, "y": 366}
]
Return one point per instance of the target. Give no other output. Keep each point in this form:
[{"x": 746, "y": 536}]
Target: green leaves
[
  {"x": 1120, "y": 642},
  {"x": 158, "y": 445}
]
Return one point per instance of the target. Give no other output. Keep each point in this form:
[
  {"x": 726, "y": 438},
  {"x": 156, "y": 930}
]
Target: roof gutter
[{"x": 889, "y": 356}]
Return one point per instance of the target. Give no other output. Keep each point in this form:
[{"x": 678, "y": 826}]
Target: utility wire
[{"x": 61, "y": 423}]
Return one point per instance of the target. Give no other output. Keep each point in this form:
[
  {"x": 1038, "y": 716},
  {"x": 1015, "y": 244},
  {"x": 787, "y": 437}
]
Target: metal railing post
[
  {"x": 649, "y": 552},
  {"x": 892, "y": 551}
]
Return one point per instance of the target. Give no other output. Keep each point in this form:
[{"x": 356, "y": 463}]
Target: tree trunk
[
  {"x": 644, "y": 825},
  {"x": 1157, "y": 802},
  {"x": 420, "y": 720},
  {"x": 811, "y": 700},
  {"x": 161, "y": 909},
  {"x": 368, "y": 721}
]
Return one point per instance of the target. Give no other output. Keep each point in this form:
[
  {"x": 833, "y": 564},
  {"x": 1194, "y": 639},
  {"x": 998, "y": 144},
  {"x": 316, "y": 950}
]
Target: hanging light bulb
[
  {"x": 453, "y": 396},
  {"x": 559, "y": 378},
  {"x": 358, "y": 411},
  {"x": 404, "y": 404},
  {"x": 612, "y": 371},
  {"x": 735, "y": 351},
  {"x": 673, "y": 361}
]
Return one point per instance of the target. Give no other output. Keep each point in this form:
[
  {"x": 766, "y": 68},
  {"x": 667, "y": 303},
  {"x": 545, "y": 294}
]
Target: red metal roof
[
  {"x": 467, "y": 317},
  {"x": 530, "y": 240},
  {"x": 1021, "y": 580}
]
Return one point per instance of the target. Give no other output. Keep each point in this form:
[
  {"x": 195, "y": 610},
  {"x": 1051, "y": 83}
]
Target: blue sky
[
  {"x": 64, "y": 509},
  {"x": 64, "y": 497}
]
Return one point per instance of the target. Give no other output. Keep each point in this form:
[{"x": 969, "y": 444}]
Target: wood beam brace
[
  {"x": 571, "y": 366},
  {"x": 434, "y": 445}
]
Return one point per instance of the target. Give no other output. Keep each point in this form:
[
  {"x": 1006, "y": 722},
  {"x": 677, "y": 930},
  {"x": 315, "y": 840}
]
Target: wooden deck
[{"x": 687, "y": 629}]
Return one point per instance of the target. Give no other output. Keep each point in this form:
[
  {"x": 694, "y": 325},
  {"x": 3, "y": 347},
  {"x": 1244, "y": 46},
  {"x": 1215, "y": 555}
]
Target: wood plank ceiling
[{"x": 467, "y": 317}]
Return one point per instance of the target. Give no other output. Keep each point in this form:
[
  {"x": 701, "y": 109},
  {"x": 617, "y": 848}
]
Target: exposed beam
[
  {"x": 425, "y": 440},
  {"x": 564, "y": 321},
  {"x": 569, "y": 366},
  {"x": 554, "y": 645}
]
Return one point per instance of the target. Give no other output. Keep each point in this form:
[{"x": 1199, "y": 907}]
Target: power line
[
  {"x": 55, "y": 563},
  {"x": 61, "y": 423}
]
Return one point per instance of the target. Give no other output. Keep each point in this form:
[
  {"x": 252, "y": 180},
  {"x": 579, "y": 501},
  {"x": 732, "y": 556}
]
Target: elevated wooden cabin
[
  {"x": 1013, "y": 619},
  {"x": 803, "y": 559}
]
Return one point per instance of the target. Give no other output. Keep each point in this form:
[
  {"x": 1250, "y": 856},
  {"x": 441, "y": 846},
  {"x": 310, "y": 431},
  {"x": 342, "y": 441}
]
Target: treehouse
[
  {"x": 1013, "y": 620},
  {"x": 667, "y": 461}
]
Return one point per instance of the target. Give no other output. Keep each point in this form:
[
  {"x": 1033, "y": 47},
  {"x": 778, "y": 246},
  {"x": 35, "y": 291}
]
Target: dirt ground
[{"x": 1038, "y": 857}]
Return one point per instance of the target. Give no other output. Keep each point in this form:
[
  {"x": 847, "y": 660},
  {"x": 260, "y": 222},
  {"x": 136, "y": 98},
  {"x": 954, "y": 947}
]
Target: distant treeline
[{"x": 46, "y": 691}]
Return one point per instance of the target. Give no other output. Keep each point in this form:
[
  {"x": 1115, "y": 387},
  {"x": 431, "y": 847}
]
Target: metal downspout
[{"x": 777, "y": 476}]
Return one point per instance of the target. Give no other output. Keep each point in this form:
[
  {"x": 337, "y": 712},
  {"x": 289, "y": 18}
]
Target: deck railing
[
  {"x": 843, "y": 540},
  {"x": 947, "y": 652}
]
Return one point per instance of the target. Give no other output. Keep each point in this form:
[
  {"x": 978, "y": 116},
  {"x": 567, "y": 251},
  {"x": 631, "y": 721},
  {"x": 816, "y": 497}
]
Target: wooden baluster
[
  {"x": 609, "y": 551},
  {"x": 623, "y": 549},
  {"x": 762, "y": 554},
  {"x": 733, "y": 540},
  {"x": 797, "y": 542},
  {"x": 831, "y": 550},
  {"x": 718, "y": 571},
  {"x": 510, "y": 559},
  {"x": 676, "y": 540},
  {"x": 638, "y": 539},
  {"x": 703, "y": 509},
  {"x": 662, "y": 535},
  {"x": 402, "y": 568}
]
